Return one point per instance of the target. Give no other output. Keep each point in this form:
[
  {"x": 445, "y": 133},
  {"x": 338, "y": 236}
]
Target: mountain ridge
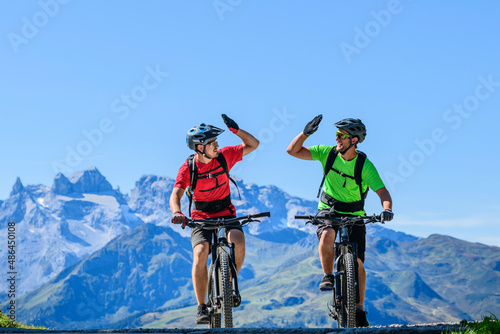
[{"x": 68, "y": 234}]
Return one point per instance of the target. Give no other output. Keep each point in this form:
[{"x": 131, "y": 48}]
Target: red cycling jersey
[{"x": 213, "y": 188}]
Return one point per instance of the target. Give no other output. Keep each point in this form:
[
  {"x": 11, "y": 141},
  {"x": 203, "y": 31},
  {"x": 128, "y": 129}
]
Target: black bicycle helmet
[
  {"x": 201, "y": 134},
  {"x": 354, "y": 127}
]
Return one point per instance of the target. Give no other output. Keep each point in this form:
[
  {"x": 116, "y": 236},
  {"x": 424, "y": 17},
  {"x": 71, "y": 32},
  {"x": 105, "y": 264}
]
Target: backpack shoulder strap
[
  {"x": 358, "y": 168},
  {"x": 330, "y": 160},
  {"x": 328, "y": 166},
  {"x": 222, "y": 161},
  {"x": 193, "y": 174},
  {"x": 193, "y": 171}
]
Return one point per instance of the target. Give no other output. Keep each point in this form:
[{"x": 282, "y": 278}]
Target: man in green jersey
[{"x": 342, "y": 196}]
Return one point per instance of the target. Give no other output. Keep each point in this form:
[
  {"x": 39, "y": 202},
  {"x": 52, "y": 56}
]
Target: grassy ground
[
  {"x": 489, "y": 324},
  {"x": 7, "y": 322}
]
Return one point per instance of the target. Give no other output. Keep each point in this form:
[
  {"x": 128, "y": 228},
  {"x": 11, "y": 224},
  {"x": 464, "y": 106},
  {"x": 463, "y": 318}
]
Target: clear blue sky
[{"x": 116, "y": 85}]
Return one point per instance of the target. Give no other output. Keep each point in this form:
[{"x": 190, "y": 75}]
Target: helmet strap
[
  {"x": 203, "y": 153},
  {"x": 347, "y": 149}
]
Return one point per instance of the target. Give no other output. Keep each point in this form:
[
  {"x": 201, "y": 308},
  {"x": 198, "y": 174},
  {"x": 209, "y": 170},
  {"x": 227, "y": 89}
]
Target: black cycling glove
[
  {"x": 386, "y": 216},
  {"x": 312, "y": 126},
  {"x": 230, "y": 124}
]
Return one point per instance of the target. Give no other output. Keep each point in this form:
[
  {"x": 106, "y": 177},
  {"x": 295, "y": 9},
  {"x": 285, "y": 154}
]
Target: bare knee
[
  {"x": 237, "y": 237},
  {"x": 328, "y": 236},
  {"x": 200, "y": 253}
]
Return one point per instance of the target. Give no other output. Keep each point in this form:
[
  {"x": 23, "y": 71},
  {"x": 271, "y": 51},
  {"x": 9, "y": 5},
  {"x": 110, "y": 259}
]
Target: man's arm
[
  {"x": 175, "y": 199},
  {"x": 250, "y": 143},
  {"x": 385, "y": 198},
  {"x": 296, "y": 148}
]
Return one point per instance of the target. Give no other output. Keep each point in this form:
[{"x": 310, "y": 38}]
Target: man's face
[
  {"x": 211, "y": 148},
  {"x": 344, "y": 140}
]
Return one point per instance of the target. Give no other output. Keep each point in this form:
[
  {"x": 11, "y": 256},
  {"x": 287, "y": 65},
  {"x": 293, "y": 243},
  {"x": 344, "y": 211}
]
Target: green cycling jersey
[{"x": 344, "y": 188}]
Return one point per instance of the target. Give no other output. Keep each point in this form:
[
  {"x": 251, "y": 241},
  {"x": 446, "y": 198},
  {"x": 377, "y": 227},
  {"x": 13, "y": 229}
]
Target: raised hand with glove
[
  {"x": 312, "y": 126},
  {"x": 230, "y": 124},
  {"x": 179, "y": 218}
]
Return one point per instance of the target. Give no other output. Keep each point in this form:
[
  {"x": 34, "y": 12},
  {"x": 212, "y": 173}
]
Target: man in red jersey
[{"x": 211, "y": 197}]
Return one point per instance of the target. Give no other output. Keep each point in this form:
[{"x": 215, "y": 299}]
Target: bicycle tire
[
  {"x": 215, "y": 316},
  {"x": 226, "y": 289},
  {"x": 347, "y": 318}
]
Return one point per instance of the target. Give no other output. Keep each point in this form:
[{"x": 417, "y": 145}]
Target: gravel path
[{"x": 417, "y": 329}]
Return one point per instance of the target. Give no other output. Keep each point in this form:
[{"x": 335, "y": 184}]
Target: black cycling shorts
[
  {"x": 199, "y": 235},
  {"x": 357, "y": 233}
]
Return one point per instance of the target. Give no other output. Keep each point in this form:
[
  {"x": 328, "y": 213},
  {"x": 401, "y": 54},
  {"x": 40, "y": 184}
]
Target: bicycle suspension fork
[
  {"x": 234, "y": 272},
  {"x": 221, "y": 241},
  {"x": 341, "y": 248},
  {"x": 354, "y": 250},
  {"x": 232, "y": 264}
]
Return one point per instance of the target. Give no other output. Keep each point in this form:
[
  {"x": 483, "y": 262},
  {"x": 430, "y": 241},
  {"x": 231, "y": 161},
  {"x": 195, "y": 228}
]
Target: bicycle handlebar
[
  {"x": 215, "y": 222},
  {"x": 341, "y": 220}
]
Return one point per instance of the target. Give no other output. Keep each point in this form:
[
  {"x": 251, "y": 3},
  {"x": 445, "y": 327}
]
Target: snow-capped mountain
[
  {"x": 81, "y": 213},
  {"x": 57, "y": 226},
  {"x": 109, "y": 268}
]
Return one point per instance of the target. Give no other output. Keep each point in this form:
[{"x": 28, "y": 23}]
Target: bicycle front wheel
[
  {"x": 347, "y": 318},
  {"x": 225, "y": 289}
]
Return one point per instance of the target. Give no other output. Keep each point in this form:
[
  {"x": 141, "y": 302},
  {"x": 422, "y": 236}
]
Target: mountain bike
[
  {"x": 223, "y": 293},
  {"x": 342, "y": 308}
]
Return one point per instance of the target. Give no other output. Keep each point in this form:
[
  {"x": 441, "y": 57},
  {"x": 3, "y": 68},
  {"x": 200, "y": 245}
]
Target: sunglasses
[
  {"x": 213, "y": 143},
  {"x": 342, "y": 135}
]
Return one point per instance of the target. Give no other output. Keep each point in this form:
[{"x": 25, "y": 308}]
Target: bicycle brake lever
[{"x": 248, "y": 221}]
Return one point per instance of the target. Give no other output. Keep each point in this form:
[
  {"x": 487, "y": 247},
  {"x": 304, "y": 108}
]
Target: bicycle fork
[
  {"x": 340, "y": 249},
  {"x": 234, "y": 275},
  {"x": 334, "y": 306}
]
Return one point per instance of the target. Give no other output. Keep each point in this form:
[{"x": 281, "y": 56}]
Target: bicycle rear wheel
[
  {"x": 347, "y": 318},
  {"x": 225, "y": 289},
  {"x": 215, "y": 316}
]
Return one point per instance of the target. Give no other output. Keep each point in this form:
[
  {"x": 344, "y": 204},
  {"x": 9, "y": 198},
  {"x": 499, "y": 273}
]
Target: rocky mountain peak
[
  {"x": 62, "y": 185},
  {"x": 17, "y": 188},
  {"x": 88, "y": 181}
]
